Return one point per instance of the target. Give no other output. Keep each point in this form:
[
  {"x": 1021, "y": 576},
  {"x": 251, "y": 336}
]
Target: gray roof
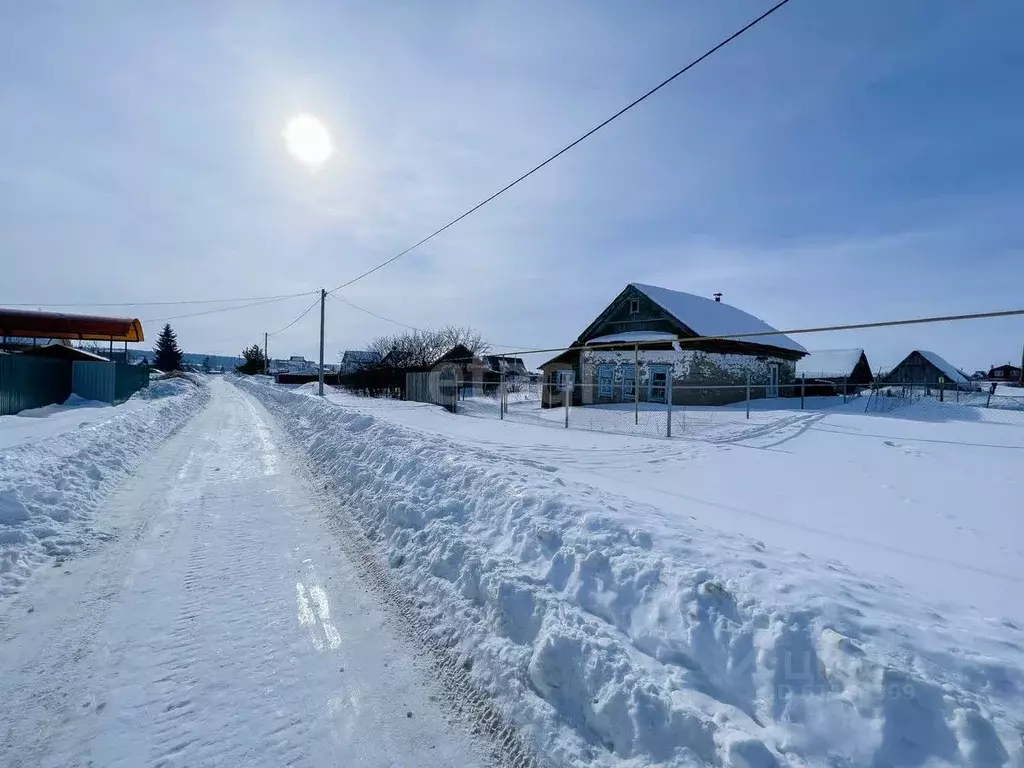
[{"x": 360, "y": 356}]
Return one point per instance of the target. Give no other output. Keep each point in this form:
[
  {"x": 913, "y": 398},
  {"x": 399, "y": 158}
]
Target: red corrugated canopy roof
[{"x": 56, "y": 325}]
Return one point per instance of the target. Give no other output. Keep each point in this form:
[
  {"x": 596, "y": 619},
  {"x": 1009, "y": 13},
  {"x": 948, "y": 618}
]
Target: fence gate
[{"x": 439, "y": 387}]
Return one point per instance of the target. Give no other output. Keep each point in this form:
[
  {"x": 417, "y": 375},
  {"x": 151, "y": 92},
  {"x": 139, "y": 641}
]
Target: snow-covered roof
[
  {"x": 505, "y": 364},
  {"x": 360, "y": 356},
  {"x": 635, "y": 336},
  {"x": 707, "y": 317},
  {"x": 829, "y": 363},
  {"x": 950, "y": 371}
]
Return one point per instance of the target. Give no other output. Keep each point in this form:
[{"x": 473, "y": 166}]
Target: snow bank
[
  {"x": 607, "y": 651},
  {"x": 51, "y": 489}
]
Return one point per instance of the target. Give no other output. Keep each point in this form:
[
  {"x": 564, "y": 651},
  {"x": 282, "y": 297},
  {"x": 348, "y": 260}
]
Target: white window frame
[
  {"x": 602, "y": 380},
  {"x": 634, "y": 306},
  {"x": 654, "y": 371},
  {"x": 628, "y": 380},
  {"x": 774, "y": 378}
]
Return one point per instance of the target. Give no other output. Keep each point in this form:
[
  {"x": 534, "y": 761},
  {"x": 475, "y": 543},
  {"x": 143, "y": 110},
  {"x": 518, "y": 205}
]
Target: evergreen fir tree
[
  {"x": 255, "y": 362},
  {"x": 168, "y": 356}
]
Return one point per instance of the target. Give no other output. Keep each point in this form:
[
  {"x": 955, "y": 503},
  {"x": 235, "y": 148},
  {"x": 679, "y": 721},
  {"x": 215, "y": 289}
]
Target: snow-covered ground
[
  {"x": 224, "y": 622},
  {"x": 49, "y": 421},
  {"x": 59, "y": 463},
  {"x": 825, "y": 587}
]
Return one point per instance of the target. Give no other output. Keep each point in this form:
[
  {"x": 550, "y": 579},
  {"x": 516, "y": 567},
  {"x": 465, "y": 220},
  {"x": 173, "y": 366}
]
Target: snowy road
[{"x": 222, "y": 625}]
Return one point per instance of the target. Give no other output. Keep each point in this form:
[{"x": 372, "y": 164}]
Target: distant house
[
  {"x": 358, "y": 359},
  {"x": 299, "y": 364},
  {"x": 1005, "y": 373},
  {"x": 511, "y": 367},
  {"x": 929, "y": 369},
  {"x": 978, "y": 376},
  {"x": 675, "y": 357},
  {"x": 847, "y": 368}
]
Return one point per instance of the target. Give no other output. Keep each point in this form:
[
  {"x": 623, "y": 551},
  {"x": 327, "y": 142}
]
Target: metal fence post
[
  {"x": 942, "y": 390},
  {"x": 846, "y": 386},
  {"x": 501, "y": 397},
  {"x": 803, "y": 389},
  {"x": 668, "y": 402},
  {"x": 568, "y": 399},
  {"x": 636, "y": 384},
  {"x": 748, "y": 394}
]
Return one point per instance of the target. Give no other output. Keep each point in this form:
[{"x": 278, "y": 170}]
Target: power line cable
[
  {"x": 792, "y": 332},
  {"x": 304, "y": 312},
  {"x": 374, "y": 314},
  {"x": 229, "y": 309},
  {"x": 567, "y": 147},
  {"x": 155, "y": 303},
  {"x": 406, "y": 325}
]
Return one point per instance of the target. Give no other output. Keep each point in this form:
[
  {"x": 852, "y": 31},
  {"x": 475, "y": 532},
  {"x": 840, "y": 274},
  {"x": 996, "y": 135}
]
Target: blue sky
[{"x": 842, "y": 162}]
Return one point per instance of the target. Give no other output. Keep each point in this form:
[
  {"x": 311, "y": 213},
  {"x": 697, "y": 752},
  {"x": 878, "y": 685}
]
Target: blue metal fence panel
[
  {"x": 32, "y": 382},
  {"x": 129, "y": 379},
  {"x": 94, "y": 380}
]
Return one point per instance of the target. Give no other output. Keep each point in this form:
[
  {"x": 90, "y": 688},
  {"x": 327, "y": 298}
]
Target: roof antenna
[{"x": 718, "y": 297}]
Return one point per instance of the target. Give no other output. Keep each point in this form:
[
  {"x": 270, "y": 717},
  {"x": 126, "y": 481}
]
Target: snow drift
[
  {"x": 51, "y": 489},
  {"x": 607, "y": 651}
]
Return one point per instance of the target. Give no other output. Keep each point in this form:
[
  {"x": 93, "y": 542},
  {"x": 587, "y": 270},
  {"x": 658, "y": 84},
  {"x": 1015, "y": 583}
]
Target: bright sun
[{"x": 307, "y": 140}]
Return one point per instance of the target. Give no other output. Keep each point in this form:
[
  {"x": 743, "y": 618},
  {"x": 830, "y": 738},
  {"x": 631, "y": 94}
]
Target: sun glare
[{"x": 308, "y": 140}]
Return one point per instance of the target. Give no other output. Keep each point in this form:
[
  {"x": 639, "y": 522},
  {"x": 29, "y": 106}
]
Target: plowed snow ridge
[{"x": 607, "y": 652}]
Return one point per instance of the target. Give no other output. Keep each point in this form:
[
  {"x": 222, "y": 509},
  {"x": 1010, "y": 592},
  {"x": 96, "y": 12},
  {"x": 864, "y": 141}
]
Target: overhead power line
[
  {"x": 270, "y": 300},
  {"x": 404, "y": 325},
  {"x": 569, "y": 146},
  {"x": 153, "y": 303},
  {"x": 374, "y": 314},
  {"x": 302, "y": 314},
  {"x": 792, "y": 332}
]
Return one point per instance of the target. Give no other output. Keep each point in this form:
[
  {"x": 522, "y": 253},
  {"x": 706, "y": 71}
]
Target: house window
[
  {"x": 628, "y": 383},
  {"x": 657, "y": 387},
  {"x": 634, "y": 306},
  {"x": 605, "y": 381}
]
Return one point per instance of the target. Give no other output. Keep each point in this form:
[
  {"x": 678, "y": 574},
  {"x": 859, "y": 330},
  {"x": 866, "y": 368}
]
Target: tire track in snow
[
  {"x": 466, "y": 700},
  {"x": 201, "y": 657}
]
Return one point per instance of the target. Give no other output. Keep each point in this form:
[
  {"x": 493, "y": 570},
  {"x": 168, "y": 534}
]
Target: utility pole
[
  {"x": 636, "y": 384},
  {"x": 266, "y": 362},
  {"x": 323, "y": 300}
]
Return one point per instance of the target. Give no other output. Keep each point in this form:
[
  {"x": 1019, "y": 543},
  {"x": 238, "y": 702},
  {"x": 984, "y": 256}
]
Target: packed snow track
[{"x": 223, "y": 624}]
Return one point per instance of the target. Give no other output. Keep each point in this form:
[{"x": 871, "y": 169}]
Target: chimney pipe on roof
[{"x": 718, "y": 297}]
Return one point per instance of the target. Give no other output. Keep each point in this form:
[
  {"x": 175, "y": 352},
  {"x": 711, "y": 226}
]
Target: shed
[
  {"x": 64, "y": 352},
  {"x": 928, "y": 369},
  {"x": 843, "y": 368}
]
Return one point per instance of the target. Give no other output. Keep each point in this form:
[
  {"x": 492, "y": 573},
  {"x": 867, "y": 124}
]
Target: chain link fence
[
  {"x": 713, "y": 412},
  {"x": 692, "y": 410}
]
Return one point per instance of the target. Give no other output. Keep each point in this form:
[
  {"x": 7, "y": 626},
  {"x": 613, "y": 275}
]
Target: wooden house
[
  {"x": 1007, "y": 373},
  {"x": 930, "y": 370},
  {"x": 653, "y": 344}
]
